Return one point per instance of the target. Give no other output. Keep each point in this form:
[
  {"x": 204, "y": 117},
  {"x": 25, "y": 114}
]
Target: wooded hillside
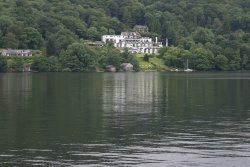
[{"x": 215, "y": 34}]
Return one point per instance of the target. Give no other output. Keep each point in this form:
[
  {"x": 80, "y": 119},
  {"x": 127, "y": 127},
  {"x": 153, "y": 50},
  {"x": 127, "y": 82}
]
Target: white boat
[
  {"x": 188, "y": 69},
  {"x": 175, "y": 70}
]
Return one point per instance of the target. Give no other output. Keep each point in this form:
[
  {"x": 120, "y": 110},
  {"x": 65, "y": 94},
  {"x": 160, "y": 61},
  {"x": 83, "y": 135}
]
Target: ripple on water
[
  {"x": 142, "y": 120},
  {"x": 6, "y": 155}
]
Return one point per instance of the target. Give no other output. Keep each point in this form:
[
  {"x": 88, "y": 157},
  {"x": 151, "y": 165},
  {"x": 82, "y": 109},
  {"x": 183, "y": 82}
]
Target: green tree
[
  {"x": 17, "y": 30},
  {"x": 54, "y": 64},
  {"x": 127, "y": 57},
  {"x": 93, "y": 34},
  {"x": 40, "y": 64},
  {"x": 60, "y": 41},
  {"x": 5, "y": 23},
  {"x": 48, "y": 25},
  {"x": 153, "y": 20},
  {"x": 113, "y": 8},
  {"x": 45, "y": 64},
  {"x": 111, "y": 56},
  {"x": 203, "y": 35},
  {"x": 16, "y": 64},
  {"x": 245, "y": 56},
  {"x": 103, "y": 31},
  {"x": 203, "y": 59},
  {"x": 175, "y": 57},
  {"x": 3, "y": 64},
  {"x": 127, "y": 17},
  {"x": 77, "y": 58},
  {"x": 221, "y": 62},
  {"x": 235, "y": 63},
  {"x": 31, "y": 38},
  {"x": 211, "y": 25},
  {"x": 113, "y": 59},
  {"x": 10, "y": 41},
  {"x": 75, "y": 25}
]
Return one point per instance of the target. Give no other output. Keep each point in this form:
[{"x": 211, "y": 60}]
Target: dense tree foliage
[
  {"x": 214, "y": 34},
  {"x": 16, "y": 64},
  {"x": 45, "y": 64},
  {"x": 78, "y": 58},
  {"x": 3, "y": 64}
]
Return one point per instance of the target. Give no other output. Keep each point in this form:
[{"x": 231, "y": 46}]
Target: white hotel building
[{"x": 134, "y": 42}]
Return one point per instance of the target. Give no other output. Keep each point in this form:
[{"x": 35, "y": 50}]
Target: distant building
[
  {"x": 15, "y": 52},
  {"x": 127, "y": 67},
  {"x": 95, "y": 44},
  {"x": 134, "y": 42},
  {"x": 141, "y": 28}
]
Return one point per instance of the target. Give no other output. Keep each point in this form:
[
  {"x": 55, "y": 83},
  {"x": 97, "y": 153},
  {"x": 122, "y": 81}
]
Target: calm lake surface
[{"x": 125, "y": 119}]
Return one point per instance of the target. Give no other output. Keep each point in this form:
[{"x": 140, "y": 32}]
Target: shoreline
[{"x": 147, "y": 71}]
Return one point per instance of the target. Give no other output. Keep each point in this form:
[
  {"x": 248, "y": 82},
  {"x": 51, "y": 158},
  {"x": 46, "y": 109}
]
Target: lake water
[{"x": 125, "y": 119}]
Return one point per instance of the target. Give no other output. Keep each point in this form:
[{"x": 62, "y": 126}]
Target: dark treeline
[
  {"x": 77, "y": 58},
  {"x": 212, "y": 34}
]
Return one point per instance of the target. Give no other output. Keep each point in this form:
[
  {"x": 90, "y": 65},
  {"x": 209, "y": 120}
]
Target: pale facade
[
  {"x": 134, "y": 42},
  {"x": 15, "y": 52}
]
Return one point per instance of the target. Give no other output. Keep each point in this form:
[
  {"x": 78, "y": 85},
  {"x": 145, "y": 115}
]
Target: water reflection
[
  {"x": 125, "y": 92},
  {"x": 125, "y": 119},
  {"x": 15, "y": 88}
]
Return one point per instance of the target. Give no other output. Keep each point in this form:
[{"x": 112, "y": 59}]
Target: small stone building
[{"x": 141, "y": 28}]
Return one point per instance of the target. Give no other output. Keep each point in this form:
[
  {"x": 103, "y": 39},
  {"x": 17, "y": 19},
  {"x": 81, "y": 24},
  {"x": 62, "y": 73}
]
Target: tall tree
[
  {"x": 31, "y": 38},
  {"x": 3, "y": 64},
  {"x": 78, "y": 57},
  {"x": 10, "y": 41}
]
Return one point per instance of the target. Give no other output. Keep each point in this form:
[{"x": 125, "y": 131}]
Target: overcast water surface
[{"x": 125, "y": 119}]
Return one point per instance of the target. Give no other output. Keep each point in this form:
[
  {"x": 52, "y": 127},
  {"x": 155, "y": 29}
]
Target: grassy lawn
[{"x": 154, "y": 63}]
